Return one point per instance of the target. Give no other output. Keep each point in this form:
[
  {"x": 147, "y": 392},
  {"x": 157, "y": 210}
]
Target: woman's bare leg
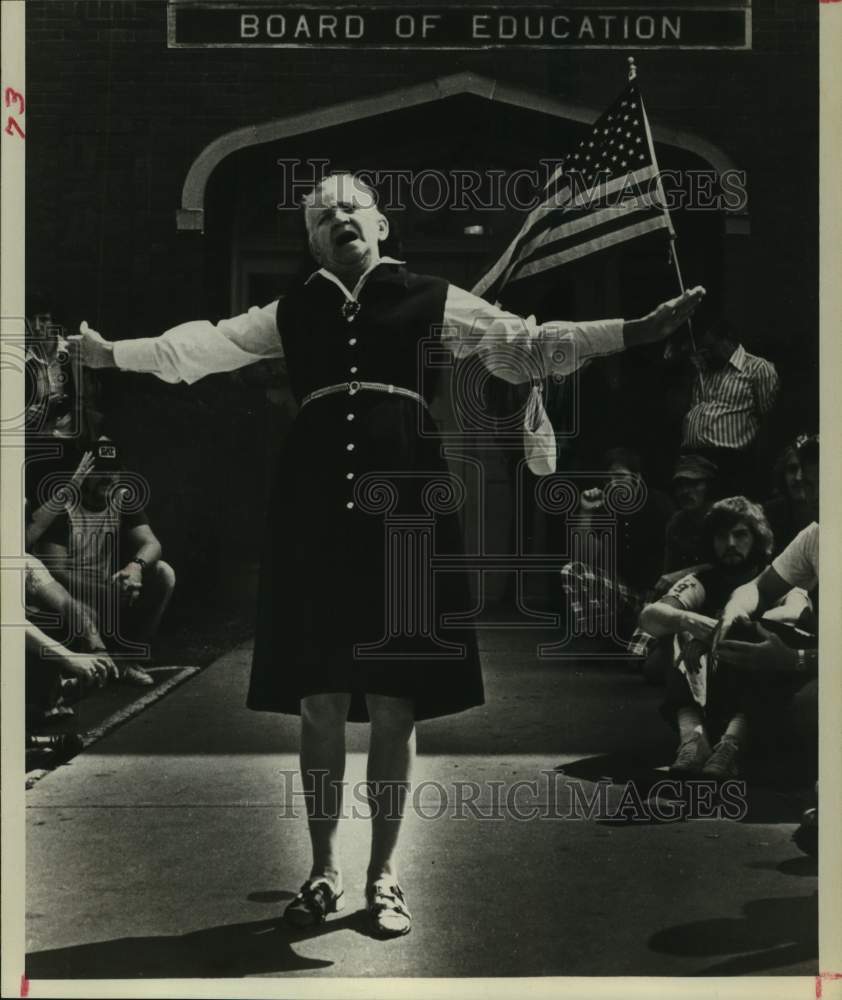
[
  {"x": 390, "y": 756},
  {"x": 323, "y": 718}
]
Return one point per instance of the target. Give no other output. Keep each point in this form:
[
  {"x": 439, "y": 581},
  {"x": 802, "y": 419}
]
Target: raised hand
[
  {"x": 91, "y": 348},
  {"x": 592, "y": 499},
  {"x": 83, "y": 468},
  {"x": 665, "y": 319}
]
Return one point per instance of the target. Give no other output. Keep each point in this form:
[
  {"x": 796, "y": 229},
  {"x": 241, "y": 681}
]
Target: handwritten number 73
[{"x": 10, "y": 97}]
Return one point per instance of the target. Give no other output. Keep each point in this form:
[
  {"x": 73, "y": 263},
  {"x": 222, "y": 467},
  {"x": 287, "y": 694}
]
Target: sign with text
[{"x": 263, "y": 25}]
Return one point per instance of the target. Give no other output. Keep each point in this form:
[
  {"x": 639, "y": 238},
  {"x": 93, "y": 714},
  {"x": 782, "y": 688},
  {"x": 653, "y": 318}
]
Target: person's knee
[
  {"x": 325, "y": 710},
  {"x": 393, "y": 715},
  {"x": 164, "y": 576}
]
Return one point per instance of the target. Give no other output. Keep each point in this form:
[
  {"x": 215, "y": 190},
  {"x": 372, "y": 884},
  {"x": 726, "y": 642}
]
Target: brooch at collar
[{"x": 350, "y": 308}]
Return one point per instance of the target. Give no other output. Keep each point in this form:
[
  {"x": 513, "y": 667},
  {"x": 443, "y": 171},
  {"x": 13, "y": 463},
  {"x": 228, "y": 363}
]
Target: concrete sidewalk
[{"x": 168, "y": 849}]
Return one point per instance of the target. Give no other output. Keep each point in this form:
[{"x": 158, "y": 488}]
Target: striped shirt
[{"x": 729, "y": 403}]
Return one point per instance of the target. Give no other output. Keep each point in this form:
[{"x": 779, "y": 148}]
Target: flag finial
[{"x": 632, "y": 69}]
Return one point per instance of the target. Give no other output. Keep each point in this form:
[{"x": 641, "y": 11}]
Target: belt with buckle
[{"x": 352, "y": 388}]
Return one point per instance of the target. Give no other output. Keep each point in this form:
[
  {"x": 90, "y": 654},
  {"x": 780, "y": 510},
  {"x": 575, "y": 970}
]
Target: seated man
[
  {"x": 694, "y": 491},
  {"x": 732, "y": 396},
  {"x": 788, "y": 509},
  {"x": 694, "y": 485},
  {"x": 739, "y": 545},
  {"x": 607, "y": 585},
  {"x": 110, "y": 561}
]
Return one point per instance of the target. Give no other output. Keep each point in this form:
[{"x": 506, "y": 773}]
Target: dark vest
[{"x": 397, "y": 310}]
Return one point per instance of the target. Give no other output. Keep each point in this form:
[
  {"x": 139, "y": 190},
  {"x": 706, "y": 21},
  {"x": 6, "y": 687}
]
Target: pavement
[{"x": 169, "y": 847}]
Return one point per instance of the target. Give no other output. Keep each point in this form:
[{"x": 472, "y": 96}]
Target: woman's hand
[
  {"x": 91, "y": 348},
  {"x": 664, "y": 320}
]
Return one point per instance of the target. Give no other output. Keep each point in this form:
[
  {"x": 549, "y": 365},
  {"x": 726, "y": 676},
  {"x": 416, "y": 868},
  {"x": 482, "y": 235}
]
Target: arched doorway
[{"x": 242, "y": 193}]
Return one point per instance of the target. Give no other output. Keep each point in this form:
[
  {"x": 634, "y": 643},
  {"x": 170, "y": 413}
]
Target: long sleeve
[
  {"x": 518, "y": 349},
  {"x": 192, "y": 350},
  {"x": 766, "y": 386}
]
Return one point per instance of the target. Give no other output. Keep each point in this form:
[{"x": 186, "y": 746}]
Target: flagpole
[{"x": 673, "y": 255}]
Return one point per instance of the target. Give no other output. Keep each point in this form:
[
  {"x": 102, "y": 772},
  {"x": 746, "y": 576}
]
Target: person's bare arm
[
  {"x": 55, "y": 555},
  {"x": 90, "y": 668},
  {"x": 667, "y": 617},
  {"x": 143, "y": 544},
  {"x": 146, "y": 550},
  {"x": 753, "y": 598}
]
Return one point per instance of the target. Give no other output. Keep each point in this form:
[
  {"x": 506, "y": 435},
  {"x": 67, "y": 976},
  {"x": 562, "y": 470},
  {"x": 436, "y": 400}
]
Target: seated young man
[
  {"x": 694, "y": 490},
  {"x": 620, "y": 548},
  {"x": 105, "y": 553},
  {"x": 789, "y": 510},
  {"x": 705, "y": 704}
]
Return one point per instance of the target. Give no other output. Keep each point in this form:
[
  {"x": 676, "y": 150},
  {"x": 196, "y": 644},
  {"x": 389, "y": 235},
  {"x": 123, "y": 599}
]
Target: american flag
[{"x": 608, "y": 191}]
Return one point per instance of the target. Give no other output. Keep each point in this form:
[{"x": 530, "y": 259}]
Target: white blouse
[{"x": 514, "y": 348}]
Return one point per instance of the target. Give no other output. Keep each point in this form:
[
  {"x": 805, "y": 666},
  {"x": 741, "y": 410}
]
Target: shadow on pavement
[
  {"x": 234, "y": 950},
  {"x": 765, "y": 800},
  {"x": 253, "y": 948},
  {"x": 776, "y": 932},
  {"x": 802, "y": 867}
]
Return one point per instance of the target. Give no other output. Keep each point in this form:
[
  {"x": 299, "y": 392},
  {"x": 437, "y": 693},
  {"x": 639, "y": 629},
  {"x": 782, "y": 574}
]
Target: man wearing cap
[
  {"x": 693, "y": 488},
  {"x": 102, "y": 548},
  {"x": 350, "y": 335}
]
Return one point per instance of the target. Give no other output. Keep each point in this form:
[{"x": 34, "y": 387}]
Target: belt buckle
[{"x": 353, "y": 387}]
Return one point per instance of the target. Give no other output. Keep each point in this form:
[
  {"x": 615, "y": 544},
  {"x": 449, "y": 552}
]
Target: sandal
[
  {"x": 315, "y": 899},
  {"x": 387, "y": 908}
]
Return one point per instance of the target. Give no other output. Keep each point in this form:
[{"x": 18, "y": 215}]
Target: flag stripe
[
  {"x": 551, "y": 204},
  {"x": 578, "y": 222},
  {"x": 602, "y": 242},
  {"x": 579, "y": 207}
]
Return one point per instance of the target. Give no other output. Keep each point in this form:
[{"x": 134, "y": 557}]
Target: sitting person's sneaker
[
  {"x": 724, "y": 761},
  {"x": 386, "y": 903},
  {"x": 693, "y": 754},
  {"x": 55, "y": 749},
  {"x": 133, "y": 674}
]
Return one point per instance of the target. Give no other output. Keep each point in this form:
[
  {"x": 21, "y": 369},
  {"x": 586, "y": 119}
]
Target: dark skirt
[{"x": 348, "y": 598}]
